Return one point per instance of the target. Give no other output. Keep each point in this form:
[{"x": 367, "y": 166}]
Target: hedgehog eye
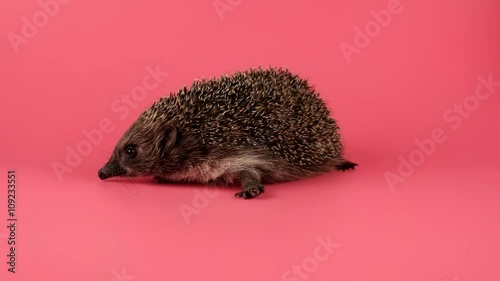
[{"x": 131, "y": 151}]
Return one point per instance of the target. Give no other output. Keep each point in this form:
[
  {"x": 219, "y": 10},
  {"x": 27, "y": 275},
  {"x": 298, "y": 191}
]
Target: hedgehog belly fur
[{"x": 224, "y": 169}]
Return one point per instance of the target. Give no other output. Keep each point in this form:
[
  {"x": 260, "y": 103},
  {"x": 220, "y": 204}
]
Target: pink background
[{"x": 440, "y": 224}]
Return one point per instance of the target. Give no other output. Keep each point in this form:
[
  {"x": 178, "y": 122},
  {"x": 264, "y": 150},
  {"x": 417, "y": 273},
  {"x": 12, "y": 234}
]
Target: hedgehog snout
[
  {"x": 102, "y": 175},
  {"x": 111, "y": 169}
]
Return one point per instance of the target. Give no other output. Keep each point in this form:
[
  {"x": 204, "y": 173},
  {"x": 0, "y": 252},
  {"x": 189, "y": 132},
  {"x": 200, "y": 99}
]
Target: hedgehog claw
[
  {"x": 345, "y": 165},
  {"x": 250, "y": 192}
]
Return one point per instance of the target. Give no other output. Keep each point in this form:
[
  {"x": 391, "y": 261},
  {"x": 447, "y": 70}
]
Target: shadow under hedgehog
[{"x": 252, "y": 127}]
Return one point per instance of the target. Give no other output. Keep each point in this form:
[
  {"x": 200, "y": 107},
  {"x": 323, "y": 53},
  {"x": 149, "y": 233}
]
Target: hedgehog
[{"x": 253, "y": 127}]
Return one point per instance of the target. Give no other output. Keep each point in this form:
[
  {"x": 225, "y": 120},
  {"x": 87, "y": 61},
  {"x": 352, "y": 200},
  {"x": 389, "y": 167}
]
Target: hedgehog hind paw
[
  {"x": 344, "y": 165},
  {"x": 250, "y": 192},
  {"x": 251, "y": 185}
]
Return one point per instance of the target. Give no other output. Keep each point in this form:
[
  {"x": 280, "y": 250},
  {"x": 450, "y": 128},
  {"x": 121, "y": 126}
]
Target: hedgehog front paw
[{"x": 250, "y": 192}]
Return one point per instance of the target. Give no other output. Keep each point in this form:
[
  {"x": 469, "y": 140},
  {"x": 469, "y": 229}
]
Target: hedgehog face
[{"x": 139, "y": 151}]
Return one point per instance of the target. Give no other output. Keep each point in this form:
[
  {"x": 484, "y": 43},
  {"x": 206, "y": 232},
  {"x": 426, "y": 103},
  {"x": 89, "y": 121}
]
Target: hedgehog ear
[{"x": 169, "y": 137}]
